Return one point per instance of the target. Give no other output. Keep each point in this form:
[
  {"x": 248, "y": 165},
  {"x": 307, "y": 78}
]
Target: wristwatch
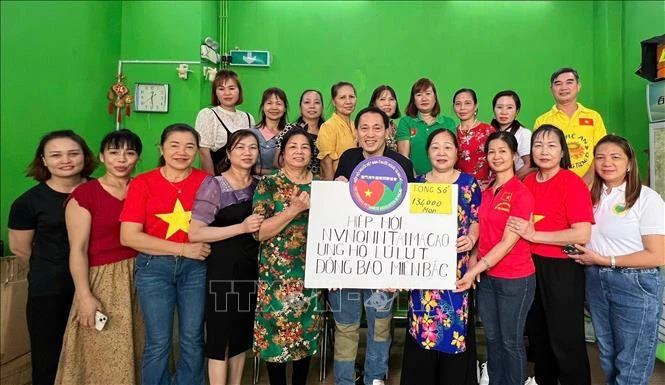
[{"x": 613, "y": 261}]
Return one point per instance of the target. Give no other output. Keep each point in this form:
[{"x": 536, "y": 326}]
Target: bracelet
[
  {"x": 487, "y": 264},
  {"x": 613, "y": 261}
]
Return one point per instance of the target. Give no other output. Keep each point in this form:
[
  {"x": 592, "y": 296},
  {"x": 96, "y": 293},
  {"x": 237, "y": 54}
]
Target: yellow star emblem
[
  {"x": 178, "y": 219},
  {"x": 537, "y": 218},
  {"x": 368, "y": 193}
]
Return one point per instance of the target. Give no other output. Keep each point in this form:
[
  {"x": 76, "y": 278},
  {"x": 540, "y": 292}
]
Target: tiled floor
[{"x": 658, "y": 377}]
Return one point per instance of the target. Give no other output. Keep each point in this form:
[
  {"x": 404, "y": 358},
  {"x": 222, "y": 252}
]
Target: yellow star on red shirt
[{"x": 178, "y": 219}]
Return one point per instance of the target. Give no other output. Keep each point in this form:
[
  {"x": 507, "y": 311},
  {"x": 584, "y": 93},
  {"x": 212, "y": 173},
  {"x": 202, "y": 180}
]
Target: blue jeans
[
  {"x": 625, "y": 305},
  {"x": 503, "y": 305},
  {"x": 347, "y": 307},
  {"x": 162, "y": 283}
]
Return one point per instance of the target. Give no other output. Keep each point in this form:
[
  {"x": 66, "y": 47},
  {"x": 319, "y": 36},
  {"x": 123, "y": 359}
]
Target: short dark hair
[
  {"x": 280, "y": 94},
  {"x": 377, "y": 93},
  {"x": 564, "y": 70},
  {"x": 322, "y": 119},
  {"x": 121, "y": 138},
  {"x": 290, "y": 134},
  {"x": 372, "y": 110},
  {"x": 438, "y": 131},
  {"x": 231, "y": 143},
  {"x": 515, "y": 125},
  {"x": 419, "y": 86},
  {"x": 222, "y": 77},
  {"x": 38, "y": 170},
  {"x": 177, "y": 127},
  {"x": 546, "y": 129},
  {"x": 506, "y": 137}
]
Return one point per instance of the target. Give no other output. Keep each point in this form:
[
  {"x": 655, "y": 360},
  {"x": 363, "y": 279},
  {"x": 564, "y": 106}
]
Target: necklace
[
  {"x": 176, "y": 188},
  {"x": 465, "y": 132}
]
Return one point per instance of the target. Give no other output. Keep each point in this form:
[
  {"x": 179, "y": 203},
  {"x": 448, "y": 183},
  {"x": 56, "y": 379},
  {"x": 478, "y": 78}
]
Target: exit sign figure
[{"x": 250, "y": 58}]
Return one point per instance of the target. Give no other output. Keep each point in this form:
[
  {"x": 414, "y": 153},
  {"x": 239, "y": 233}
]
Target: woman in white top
[
  {"x": 624, "y": 286},
  {"x": 506, "y": 106},
  {"x": 216, "y": 123}
]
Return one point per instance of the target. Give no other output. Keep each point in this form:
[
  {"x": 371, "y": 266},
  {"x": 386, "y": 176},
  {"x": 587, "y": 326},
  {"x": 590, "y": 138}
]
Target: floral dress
[
  {"x": 287, "y": 322},
  {"x": 472, "y": 158},
  {"x": 439, "y": 318}
]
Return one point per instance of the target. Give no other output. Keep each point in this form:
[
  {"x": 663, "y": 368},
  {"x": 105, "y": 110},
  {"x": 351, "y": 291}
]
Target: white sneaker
[
  {"x": 484, "y": 374},
  {"x": 378, "y": 382},
  {"x": 530, "y": 381}
]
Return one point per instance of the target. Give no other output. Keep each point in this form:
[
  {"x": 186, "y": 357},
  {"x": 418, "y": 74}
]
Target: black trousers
[
  {"x": 277, "y": 372},
  {"x": 47, "y": 319},
  {"x": 555, "y": 324},
  {"x": 431, "y": 367}
]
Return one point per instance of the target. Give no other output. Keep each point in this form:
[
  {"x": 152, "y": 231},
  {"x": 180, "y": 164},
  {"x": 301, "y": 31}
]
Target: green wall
[
  {"x": 487, "y": 46},
  {"x": 642, "y": 20},
  {"x": 59, "y": 59},
  {"x": 165, "y": 30}
]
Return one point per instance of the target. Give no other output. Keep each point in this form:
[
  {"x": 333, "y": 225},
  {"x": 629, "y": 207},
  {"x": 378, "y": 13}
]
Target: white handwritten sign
[{"x": 407, "y": 248}]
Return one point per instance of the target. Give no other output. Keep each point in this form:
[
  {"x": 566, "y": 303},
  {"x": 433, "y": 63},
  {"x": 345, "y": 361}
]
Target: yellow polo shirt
[
  {"x": 335, "y": 137},
  {"x": 583, "y": 130}
]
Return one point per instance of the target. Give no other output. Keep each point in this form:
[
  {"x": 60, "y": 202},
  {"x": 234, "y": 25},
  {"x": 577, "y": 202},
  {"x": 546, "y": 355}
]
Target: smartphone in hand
[
  {"x": 100, "y": 320},
  {"x": 571, "y": 250}
]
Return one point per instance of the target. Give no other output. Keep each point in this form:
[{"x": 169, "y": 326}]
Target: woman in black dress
[{"x": 222, "y": 215}]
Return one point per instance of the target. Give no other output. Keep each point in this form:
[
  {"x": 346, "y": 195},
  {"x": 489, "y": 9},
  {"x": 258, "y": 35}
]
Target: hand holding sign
[{"x": 465, "y": 243}]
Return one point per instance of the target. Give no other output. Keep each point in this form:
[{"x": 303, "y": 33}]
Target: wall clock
[{"x": 151, "y": 97}]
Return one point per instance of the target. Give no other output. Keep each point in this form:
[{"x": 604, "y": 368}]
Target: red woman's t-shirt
[
  {"x": 512, "y": 199},
  {"x": 164, "y": 208}
]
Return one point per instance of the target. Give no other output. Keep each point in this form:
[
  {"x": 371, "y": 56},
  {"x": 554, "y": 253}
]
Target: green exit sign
[{"x": 250, "y": 58}]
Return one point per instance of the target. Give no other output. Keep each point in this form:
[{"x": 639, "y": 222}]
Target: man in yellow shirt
[{"x": 583, "y": 126}]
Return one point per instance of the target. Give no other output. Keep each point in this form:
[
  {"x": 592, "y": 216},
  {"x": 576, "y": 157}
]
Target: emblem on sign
[{"x": 378, "y": 185}]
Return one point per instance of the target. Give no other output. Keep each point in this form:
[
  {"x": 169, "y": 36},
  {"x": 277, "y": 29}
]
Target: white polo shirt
[
  {"x": 618, "y": 231},
  {"x": 523, "y": 137}
]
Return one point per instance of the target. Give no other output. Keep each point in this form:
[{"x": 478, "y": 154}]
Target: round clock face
[{"x": 152, "y": 97}]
